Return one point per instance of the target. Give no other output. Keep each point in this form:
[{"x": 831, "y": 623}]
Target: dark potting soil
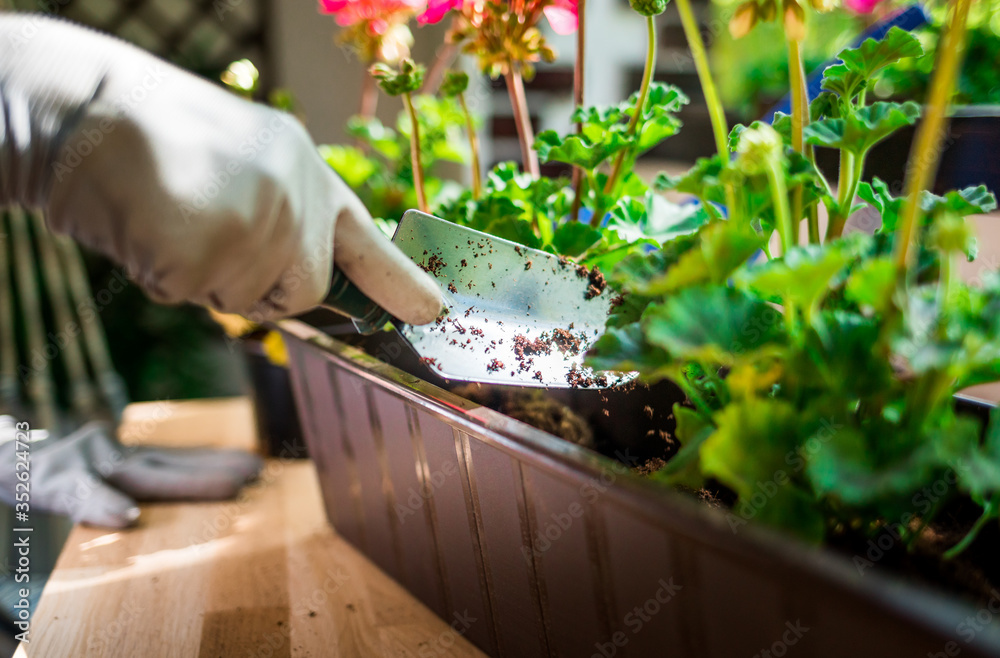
[
  {"x": 973, "y": 575},
  {"x": 531, "y": 406}
]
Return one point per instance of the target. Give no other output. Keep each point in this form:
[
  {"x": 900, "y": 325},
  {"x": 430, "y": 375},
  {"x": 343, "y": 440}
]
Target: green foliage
[
  {"x": 408, "y": 78},
  {"x": 604, "y": 131},
  {"x": 874, "y": 55},
  {"x": 859, "y": 131},
  {"x": 378, "y": 168},
  {"x": 819, "y": 379},
  {"x": 454, "y": 83},
  {"x": 649, "y": 7}
]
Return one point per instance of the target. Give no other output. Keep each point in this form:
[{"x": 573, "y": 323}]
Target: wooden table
[{"x": 263, "y": 575}]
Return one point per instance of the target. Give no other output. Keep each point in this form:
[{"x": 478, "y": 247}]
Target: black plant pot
[
  {"x": 275, "y": 413},
  {"x": 533, "y": 546},
  {"x": 969, "y": 157}
]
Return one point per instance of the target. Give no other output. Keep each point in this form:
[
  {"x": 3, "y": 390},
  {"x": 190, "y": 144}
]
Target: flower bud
[
  {"x": 824, "y": 6},
  {"x": 767, "y": 10},
  {"x": 795, "y": 21},
  {"x": 743, "y": 20},
  {"x": 950, "y": 232},
  {"x": 454, "y": 83},
  {"x": 649, "y": 7},
  {"x": 758, "y": 148},
  {"x": 409, "y": 77}
]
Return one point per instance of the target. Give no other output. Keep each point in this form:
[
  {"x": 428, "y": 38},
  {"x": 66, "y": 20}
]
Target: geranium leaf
[
  {"x": 866, "y": 127},
  {"x": 712, "y": 324},
  {"x": 802, "y": 276},
  {"x": 586, "y": 150},
  {"x": 873, "y": 55},
  {"x": 574, "y": 238}
]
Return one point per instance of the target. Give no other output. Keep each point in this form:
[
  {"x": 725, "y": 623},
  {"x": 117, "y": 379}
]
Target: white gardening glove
[
  {"x": 203, "y": 196},
  {"x": 92, "y": 478}
]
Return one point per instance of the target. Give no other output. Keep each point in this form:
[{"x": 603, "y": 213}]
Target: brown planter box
[{"x": 535, "y": 547}]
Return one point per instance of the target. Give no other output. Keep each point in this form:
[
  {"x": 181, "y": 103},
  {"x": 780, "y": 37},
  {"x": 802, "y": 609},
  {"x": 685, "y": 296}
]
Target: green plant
[
  {"x": 824, "y": 375},
  {"x": 380, "y": 168}
]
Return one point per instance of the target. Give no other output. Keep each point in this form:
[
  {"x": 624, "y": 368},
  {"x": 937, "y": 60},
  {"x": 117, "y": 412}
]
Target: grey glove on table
[{"x": 92, "y": 478}]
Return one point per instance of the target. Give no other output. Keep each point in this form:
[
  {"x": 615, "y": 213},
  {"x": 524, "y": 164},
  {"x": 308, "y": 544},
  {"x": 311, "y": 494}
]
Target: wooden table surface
[{"x": 261, "y": 576}]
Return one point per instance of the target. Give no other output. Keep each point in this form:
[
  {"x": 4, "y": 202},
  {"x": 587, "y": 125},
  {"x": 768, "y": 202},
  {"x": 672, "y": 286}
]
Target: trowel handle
[{"x": 346, "y": 298}]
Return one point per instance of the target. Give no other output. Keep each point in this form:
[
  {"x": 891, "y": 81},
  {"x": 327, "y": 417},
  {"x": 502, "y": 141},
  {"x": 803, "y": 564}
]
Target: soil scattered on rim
[
  {"x": 431, "y": 362},
  {"x": 452, "y": 288},
  {"x": 527, "y": 265},
  {"x": 650, "y": 466},
  {"x": 494, "y": 366}
]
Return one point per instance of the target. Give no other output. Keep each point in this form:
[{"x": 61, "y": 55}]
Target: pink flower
[
  {"x": 376, "y": 13},
  {"x": 862, "y": 6},
  {"x": 561, "y": 14},
  {"x": 436, "y": 10}
]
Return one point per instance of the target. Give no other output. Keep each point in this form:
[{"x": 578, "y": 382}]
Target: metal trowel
[{"x": 513, "y": 315}]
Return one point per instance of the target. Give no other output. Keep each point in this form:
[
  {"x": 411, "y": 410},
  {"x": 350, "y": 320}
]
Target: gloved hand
[
  {"x": 202, "y": 195},
  {"x": 92, "y": 478}
]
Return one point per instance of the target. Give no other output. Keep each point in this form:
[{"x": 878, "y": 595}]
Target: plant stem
[
  {"x": 442, "y": 60},
  {"x": 519, "y": 103},
  {"x": 814, "y": 224},
  {"x": 946, "y": 280},
  {"x": 800, "y": 117},
  {"x": 477, "y": 183},
  {"x": 692, "y": 393},
  {"x": 989, "y": 513},
  {"x": 418, "y": 169},
  {"x": 800, "y": 102},
  {"x": 369, "y": 96},
  {"x": 640, "y": 105},
  {"x": 779, "y": 196},
  {"x": 579, "y": 71},
  {"x": 926, "y": 152},
  {"x": 845, "y": 179},
  {"x": 716, "y": 112}
]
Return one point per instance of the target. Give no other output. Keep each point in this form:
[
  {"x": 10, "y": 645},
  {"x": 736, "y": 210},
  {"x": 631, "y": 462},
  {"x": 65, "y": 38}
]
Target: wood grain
[{"x": 260, "y": 576}]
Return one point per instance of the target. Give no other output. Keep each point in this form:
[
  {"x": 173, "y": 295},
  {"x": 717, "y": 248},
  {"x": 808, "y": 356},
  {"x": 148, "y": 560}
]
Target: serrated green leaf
[
  {"x": 844, "y": 467},
  {"x": 626, "y": 349},
  {"x": 873, "y": 55},
  {"x": 349, "y": 162},
  {"x": 843, "y": 81},
  {"x": 573, "y": 238},
  {"x": 866, "y": 127},
  {"x": 802, "y": 276},
  {"x": 632, "y": 219},
  {"x": 712, "y": 324},
  {"x": 747, "y": 454},
  {"x": 968, "y": 201},
  {"x": 824, "y": 106},
  {"x": 634, "y": 273},
  {"x": 871, "y": 285},
  {"x": 723, "y": 247},
  {"x": 586, "y": 150}
]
